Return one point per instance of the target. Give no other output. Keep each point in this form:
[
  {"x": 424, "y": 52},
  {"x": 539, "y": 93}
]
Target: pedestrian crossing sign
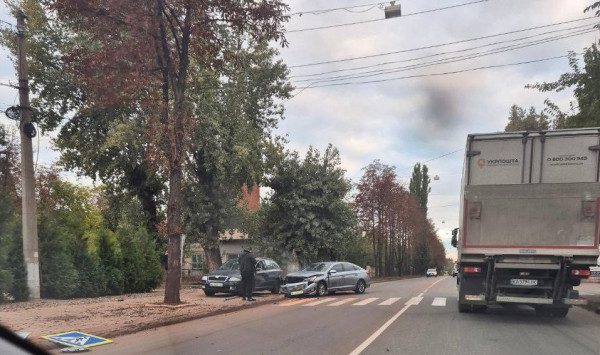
[{"x": 77, "y": 339}]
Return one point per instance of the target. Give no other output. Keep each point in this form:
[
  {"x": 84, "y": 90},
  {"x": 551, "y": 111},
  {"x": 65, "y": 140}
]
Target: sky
[{"x": 420, "y": 114}]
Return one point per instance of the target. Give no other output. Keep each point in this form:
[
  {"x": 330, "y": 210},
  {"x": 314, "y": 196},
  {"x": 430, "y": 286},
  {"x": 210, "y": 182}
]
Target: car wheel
[
  {"x": 360, "y": 287},
  {"x": 209, "y": 293},
  {"x": 276, "y": 288},
  {"x": 321, "y": 289}
]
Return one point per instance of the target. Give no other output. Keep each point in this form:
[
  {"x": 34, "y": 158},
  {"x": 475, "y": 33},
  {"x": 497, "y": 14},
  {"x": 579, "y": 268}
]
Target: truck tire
[
  {"x": 464, "y": 308},
  {"x": 560, "y": 312}
]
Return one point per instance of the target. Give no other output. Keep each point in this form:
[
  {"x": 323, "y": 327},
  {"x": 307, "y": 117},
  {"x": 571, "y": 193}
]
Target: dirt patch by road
[{"x": 116, "y": 315}]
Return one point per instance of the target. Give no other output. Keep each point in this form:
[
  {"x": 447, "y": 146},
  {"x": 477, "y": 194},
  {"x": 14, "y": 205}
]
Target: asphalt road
[{"x": 415, "y": 316}]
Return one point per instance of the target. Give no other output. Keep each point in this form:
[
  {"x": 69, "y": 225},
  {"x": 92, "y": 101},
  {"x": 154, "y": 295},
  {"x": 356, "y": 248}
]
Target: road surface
[{"x": 415, "y": 316}]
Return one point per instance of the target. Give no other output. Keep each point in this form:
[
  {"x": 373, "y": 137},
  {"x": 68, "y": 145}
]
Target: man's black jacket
[{"x": 247, "y": 263}]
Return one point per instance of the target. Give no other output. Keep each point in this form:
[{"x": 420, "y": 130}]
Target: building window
[{"x": 197, "y": 262}]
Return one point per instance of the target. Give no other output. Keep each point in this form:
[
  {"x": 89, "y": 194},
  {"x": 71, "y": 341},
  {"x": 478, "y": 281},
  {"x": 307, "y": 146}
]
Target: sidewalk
[{"x": 112, "y": 316}]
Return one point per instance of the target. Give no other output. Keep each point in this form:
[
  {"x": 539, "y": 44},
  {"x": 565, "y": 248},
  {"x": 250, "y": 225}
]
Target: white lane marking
[
  {"x": 374, "y": 336},
  {"x": 294, "y": 302},
  {"x": 378, "y": 332},
  {"x": 439, "y": 301},
  {"x": 316, "y": 303},
  {"x": 421, "y": 294},
  {"x": 367, "y": 301},
  {"x": 345, "y": 300},
  {"x": 390, "y": 301},
  {"x": 414, "y": 301}
]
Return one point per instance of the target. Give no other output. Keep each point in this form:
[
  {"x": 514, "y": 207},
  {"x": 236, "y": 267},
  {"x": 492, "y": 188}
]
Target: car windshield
[
  {"x": 316, "y": 267},
  {"x": 231, "y": 264}
]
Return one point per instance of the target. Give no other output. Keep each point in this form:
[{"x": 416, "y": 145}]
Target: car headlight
[
  {"x": 234, "y": 279},
  {"x": 204, "y": 278},
  {"x": 310, "y": 279}
]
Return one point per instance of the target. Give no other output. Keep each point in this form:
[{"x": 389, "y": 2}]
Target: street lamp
[{"x": 392, "y": 10}]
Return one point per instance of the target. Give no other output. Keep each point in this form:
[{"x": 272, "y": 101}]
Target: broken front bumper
[{"x": 299, "y": 288}]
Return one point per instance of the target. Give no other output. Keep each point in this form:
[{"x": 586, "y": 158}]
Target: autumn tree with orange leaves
[
  {"x": 403, "y": 240},
  {"x": 141, "y": 55}
]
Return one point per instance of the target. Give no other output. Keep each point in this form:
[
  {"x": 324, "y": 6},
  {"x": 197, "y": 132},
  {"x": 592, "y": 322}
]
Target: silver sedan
[{"x": 326, "y": 277}]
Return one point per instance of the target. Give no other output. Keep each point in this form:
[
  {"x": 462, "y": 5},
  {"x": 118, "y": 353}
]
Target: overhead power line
[
  {"x": 449, "y": 60},
  {"x": 383, "y": 19},
  {"x": 432, "y": 159},
  {"x": 438, "y": 54},
  {"x": 438, "y": 45},
  {"x": 347, "y": 8},
  {"x": 438, "y": 74}
]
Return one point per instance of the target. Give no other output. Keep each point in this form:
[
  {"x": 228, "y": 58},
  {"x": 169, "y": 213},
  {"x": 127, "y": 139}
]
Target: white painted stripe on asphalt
[
  {"x": 325, "y": 300},
  {"x": 366, "y": 301},
  {"x": 390, "y": 301},
  {"x": 294, "y": 302},
  {"x": 378, "y": 332},
  {"x": 421, "y": 294},
  {"x": 345, "y": 300},
  {"x": 414, "y": 301},
  {"x": 439, "y": 301}
]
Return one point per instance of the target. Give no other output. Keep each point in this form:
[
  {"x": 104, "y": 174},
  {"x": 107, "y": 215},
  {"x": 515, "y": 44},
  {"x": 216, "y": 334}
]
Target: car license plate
[
  {"x": 294, "y": 293},
  {"x": 216, "y": 284},
  {"x": 523, "y": 282}
]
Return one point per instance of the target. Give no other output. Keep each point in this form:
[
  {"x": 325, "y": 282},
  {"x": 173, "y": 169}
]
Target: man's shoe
[{"x": 251, "y": 299}]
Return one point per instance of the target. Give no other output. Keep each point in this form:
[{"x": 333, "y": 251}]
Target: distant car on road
[
  {"x": 454, "y": 271},
  {"x": 326, "y": 277},
  {"x": 432, "y": 273},
  {"x": 227, "y": 278}
]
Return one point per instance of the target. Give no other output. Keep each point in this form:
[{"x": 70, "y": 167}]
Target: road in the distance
[{"x": 416, "y": 316}]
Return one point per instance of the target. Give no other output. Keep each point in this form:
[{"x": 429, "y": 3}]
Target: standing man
[{"x": 247, "y": 264}]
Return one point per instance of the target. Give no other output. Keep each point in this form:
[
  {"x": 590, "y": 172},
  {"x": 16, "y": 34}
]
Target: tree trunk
[
  {"x": 211, "y": 248},
  {"x": 173, "y": 283},
  {"x": 213, "y": 257}
]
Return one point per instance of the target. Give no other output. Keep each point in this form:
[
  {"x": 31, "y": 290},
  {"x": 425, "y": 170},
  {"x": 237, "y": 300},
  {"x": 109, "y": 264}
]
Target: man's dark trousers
[{"x": 247, "y": 284}]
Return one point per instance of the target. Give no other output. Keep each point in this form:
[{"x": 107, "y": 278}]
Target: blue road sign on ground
[{"x": 77, "y": 339}]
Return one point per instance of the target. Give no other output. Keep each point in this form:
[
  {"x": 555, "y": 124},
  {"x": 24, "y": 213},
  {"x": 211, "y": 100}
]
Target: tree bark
[{"x": 173, "y": 283}]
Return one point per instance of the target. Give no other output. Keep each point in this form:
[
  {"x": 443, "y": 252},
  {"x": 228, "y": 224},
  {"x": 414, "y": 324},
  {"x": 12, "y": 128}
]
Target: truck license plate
[
  {"x": 216, "y": 284},
  {"x": 523, "y": 282}
]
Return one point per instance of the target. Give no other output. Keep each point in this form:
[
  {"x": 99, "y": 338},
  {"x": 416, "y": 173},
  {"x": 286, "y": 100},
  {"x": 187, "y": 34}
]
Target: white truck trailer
[{"x": 529, "y": 219}]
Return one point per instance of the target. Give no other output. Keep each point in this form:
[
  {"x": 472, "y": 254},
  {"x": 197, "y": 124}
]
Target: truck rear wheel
[{"x": 464, "y": 308}]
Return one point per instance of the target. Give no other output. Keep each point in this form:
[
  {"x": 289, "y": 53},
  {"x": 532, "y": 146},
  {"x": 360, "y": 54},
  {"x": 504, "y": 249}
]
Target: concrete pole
[{"x": 30, "y": 235}]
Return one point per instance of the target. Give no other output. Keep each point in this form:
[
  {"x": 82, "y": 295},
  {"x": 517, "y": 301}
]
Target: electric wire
[
  {"x": 347, "y": 8},
  {"x": 438, "y": 54},
  {"x": 383, "y": 19},
  {"x": 445, "y": 60},
  {"x": 438, "y": 45},
  {"x": 439, "y": 74}
]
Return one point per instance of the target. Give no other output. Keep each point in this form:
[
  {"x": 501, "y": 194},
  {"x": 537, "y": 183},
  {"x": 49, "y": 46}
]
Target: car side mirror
[
  {"x": 454, "y": 240},
  {"x": 332, "y": 271}
]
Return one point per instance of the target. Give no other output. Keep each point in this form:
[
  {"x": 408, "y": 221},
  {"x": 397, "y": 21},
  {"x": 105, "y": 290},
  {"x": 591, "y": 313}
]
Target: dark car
[
  {"x": 227, "y": 278},
  {"x": 326, "y": 277}
]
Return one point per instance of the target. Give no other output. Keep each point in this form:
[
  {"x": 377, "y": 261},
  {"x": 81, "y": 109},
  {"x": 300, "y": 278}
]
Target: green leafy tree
[
  {"x": 520, "y": 120},
  {"x": 584, "y": 111},
  {"x": 419, "y": 184},
  {"x": 307, "y": 214},
  {"x": 241, "y": 114}
]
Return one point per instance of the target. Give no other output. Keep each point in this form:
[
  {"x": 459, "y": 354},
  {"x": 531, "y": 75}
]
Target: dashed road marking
[
  {"x": 294, "y": 302},
  {"x": 390, "y": 301},
  {"x": 345, "y": 300},
  {"x": 439, "y": 301},
  {"x": 366, "y": 301},
  {"x": 316, "y": 303},
  {"x": 414, "y": 301}
]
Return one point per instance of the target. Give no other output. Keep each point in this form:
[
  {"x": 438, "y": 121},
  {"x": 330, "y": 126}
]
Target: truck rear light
[
  {"x": 471, "y": 269},
  {"x": 580, "y": 272},
  {"x": 589, "y": 208},
  {"x": 475, "y": 210}
]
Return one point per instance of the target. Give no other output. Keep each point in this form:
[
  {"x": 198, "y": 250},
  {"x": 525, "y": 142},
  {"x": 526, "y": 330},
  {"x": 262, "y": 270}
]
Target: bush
[{"x": 13, "y": 280}]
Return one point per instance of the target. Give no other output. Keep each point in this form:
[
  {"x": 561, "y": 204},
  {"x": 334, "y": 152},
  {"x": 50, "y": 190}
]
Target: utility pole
[{"x": 27, "y": 130}]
